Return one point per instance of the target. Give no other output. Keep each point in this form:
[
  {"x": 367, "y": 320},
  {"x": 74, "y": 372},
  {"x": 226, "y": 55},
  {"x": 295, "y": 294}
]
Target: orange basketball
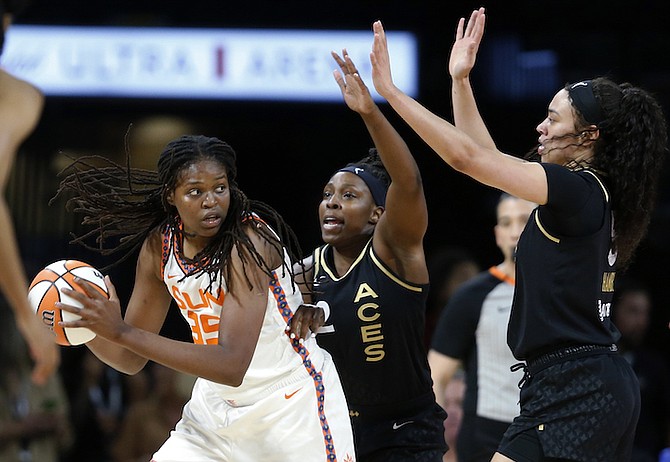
[{"x": 45, "y": 291}]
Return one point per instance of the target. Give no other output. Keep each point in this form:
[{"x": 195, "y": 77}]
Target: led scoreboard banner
[{"x": 234, "y": 64}]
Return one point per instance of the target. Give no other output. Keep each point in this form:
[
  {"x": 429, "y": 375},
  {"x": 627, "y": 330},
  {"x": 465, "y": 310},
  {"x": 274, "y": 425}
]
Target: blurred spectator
[
  {"x": 34, "y": 424},
  {"x": 453, "y": 404},
  {"x": 97, "y": 401},
  {"x": 472, "y": 334},
  {"x": 147, "y": 423},
  {"x": 631, "y": 314},
  {"x": 448, "y": 268}
]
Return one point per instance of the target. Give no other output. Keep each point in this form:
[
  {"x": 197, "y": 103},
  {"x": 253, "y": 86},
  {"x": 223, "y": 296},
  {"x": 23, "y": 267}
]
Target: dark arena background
[{"x": 288, "y": 149}]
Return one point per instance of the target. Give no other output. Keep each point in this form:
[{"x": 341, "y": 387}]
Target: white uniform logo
[{"x": 611, "y": 257}]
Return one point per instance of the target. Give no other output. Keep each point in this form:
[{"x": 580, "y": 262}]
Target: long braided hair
[
  {"x": 123, "y": 205},
  {"x": 630, "y": 152}
]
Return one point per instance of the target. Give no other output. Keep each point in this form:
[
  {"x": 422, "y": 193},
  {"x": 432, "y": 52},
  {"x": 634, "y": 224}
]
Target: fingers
[
  {"x": 345, "y": 62},
  {"x": 379, "y": 29},
  {"x": 340, "y": 80},
  {"x": 88, "y": 288},
  {"x": 45, "y": 366},
  {"x": 479, "y": 26},
  {"x": 475, "y": 27},
  {"x": 299, "y": 327},
  {"x": 338, "y": 60},
  {"x": 459, "y": 28},
  {"x": 111, "y": 290},
  {"x": 471, "y": 23},
  {"x": 43, "y": 350},
  {"x": 306, "y": 320}
]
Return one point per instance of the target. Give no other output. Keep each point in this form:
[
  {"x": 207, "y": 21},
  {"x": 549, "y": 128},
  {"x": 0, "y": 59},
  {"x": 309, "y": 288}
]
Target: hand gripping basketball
[{"x": 49, "y": 288}]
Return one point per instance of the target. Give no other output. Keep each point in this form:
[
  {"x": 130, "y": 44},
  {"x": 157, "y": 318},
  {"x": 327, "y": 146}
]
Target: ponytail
[{"x": 630, "y": 151}]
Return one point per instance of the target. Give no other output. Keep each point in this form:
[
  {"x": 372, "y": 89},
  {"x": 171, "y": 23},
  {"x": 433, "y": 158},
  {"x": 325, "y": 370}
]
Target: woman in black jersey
[
  {"x": 600, "y": 148},
  {"x": 372, "y": 272}
]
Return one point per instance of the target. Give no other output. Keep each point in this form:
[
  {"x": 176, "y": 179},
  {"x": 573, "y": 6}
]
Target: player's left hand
[
  {"x": 381, "y": 62},
  {"x": 466, "y": 45},
  {"x": 307, "y": 319}
]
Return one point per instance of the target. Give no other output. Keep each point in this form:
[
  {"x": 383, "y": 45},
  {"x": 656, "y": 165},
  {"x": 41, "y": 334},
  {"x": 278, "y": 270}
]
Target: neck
[{"x": 508, "y": 268}]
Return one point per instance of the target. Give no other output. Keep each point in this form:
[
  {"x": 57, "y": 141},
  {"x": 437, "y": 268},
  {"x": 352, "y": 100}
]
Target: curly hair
[
  {"x": 630, "y": 152},
  {"x": 129, "y": 203}
]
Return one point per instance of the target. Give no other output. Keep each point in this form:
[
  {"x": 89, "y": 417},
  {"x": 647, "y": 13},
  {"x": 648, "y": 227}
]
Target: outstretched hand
[
  {"x": 354, "y": 91},
  {"x": 98, "y": 313},
  {"x": 381, "y": 63},
  {"x": 43, "y": 349},
  {"x": 466, "y": 45}
]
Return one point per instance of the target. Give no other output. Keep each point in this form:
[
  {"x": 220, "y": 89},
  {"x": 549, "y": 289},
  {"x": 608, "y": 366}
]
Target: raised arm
[
  {"x": 461, "y": 61},
  {"x": 403, "y": 224},
  {"x": 488, "y": 166}
]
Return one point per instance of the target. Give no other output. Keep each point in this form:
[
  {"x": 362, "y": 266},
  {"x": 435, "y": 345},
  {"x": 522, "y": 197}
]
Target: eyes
[
  {"x": 346, "y": 195},
  {"x": 196, "y": 192}
]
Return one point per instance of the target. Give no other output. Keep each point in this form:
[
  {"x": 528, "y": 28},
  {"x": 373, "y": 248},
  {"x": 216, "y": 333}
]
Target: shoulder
[
  {"x": 151, "y": 252},
  {"x": 20, "y": 102},
  {"x": 154, "y": 240},
  {"x": 263, "y": 240}
]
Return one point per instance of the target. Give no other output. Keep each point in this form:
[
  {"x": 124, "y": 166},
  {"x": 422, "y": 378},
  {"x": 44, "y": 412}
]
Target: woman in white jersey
[{"x": 205, "y": 245}]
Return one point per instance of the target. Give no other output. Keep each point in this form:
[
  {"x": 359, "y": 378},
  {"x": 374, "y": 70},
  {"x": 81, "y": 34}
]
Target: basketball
[{"x": 45, "y": 291}]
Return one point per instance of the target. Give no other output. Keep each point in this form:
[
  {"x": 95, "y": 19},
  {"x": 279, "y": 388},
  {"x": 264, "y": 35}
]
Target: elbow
[
  {"x": 235, "y": 377},
  {"x": 232, "y": 371},
  {"x": 466, "y": 161},
  {"x": 132, "y": 367},
  {"x": 229, "y": 378},
  {"x": 129, "y": 363},
  {"x": 236, "y": 382},
  {"x": 460, "y": 162}
]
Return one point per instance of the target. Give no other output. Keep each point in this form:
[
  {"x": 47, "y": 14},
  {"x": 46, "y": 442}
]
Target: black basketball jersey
[
  {"x": 377, "y": 343},
  {"x": 565, "y": 268}
]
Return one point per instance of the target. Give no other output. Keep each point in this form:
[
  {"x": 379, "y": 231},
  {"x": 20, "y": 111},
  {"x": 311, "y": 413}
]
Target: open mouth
[
  {"x": 331, "y": 223},
  {"x": 211, "y": 221}
]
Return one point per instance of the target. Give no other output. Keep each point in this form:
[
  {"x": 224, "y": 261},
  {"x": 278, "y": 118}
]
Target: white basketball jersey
[{"x": 275, "y": 359}]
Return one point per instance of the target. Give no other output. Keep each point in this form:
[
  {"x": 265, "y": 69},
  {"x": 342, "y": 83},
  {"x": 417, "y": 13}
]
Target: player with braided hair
[
  {"x": 372, "y": 272},
  {"x": 226, "y": 261},
  {"x": 601, "y": 148}
]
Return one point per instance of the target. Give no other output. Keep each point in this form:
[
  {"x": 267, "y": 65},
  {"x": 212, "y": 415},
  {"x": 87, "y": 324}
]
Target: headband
[
  {"x": 585, "y": 102},
  {"x": 374, "y": 184}
]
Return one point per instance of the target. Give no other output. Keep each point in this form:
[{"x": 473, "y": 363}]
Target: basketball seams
[{"x": 56, "y": 276}]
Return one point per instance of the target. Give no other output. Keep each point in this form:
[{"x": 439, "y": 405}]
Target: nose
[
  {"x": 541, "y": 127},
  {"x": 208, "y": 200},
  {"x": 332, "y": 202}
]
